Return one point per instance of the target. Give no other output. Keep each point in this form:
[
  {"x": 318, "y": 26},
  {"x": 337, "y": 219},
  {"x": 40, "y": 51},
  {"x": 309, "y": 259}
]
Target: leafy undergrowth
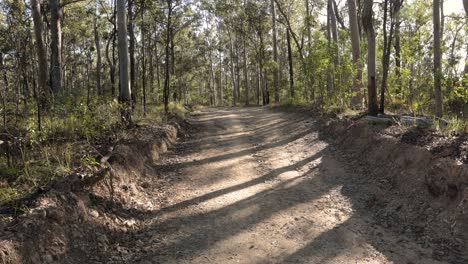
[{"x": 73, "y": 137}]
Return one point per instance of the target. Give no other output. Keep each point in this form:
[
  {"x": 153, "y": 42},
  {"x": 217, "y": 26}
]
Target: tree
[
  {"x": 356, "y": 101},
  {"x": 465, "y": 5},
  {"x": 167, "y": 78},
  {"x": 438, "y": 107},
  {"x": 56, "y": 46},
  {"x": 125, "y": 95},
  {"x": 371, "y": 68},
  {"x": 275, "y": 52},
  {"x": 97, "y": 41},
  {"x": 387, "y": 45}
]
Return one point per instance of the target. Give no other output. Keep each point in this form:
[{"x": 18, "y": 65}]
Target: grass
[{"x": 73, "y": 136}]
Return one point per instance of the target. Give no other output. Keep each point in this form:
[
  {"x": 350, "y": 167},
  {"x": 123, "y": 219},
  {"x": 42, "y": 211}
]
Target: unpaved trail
[{"x": 256, "y": 186}]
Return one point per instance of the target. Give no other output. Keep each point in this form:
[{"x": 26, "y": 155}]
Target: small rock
[{"x": 94, "y": 213}]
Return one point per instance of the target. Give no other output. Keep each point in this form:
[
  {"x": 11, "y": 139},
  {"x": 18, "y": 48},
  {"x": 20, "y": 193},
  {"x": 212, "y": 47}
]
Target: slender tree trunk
[
  {"x": 246, "y": 81},
  {"x": 397, "y": 44},
  {"x": 356, "y": 101},
  {"x": 143, "y": 77},
  {"x": 56, "y": 46},
  {"x": 465, "y": 4},
  {"x": 307, "y": 24},
  {"x": 231, "y": 53},
  {"x": 221, "y": 92},
  {"x": 42, "y": 68},
  {"x": 334, "y": 31},
  {"x": 291, "y": 68},
  {"x": 131, "y": 34},
  {"x": 371, "y": 67},
  {"x": 98, "y": 52},
  {"x": 437, "y": 59},
  {"x": 151, "y": 62},
  {"x": 387, "y": 45},
  {"x": 168, "y": 56},
  {"x": 114, "y": 39},
  {"x": 158, "y": 69},
  {"x": 332, "y": 35},
  {"x": 88, "y": 83},
  {"x": 111, "y": 61},
  {"x": 238, "y": 74},
  {"x": 260, "y": 69},
  {"x": 275, "y": 52},
  {"x": 125, "y": 87}
]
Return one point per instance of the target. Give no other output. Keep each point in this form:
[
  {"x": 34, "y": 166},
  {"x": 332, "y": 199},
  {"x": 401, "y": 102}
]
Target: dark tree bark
[
  {"x": 397, "y": 45},
  {"x": 437, "y": 59},
  {"x": 465, "y": 5},
  {"x": 387, "y": 45},
  {"x": 168, "y": 55},
  {"x": 55, "y": 46},
  {"x": 143, "y": 77}
]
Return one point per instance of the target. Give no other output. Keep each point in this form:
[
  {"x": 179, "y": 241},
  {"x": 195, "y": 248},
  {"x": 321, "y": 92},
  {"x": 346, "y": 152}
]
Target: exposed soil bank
[
  {"x": 71, "y": 222},
  {"x": 421, "y": 193}
]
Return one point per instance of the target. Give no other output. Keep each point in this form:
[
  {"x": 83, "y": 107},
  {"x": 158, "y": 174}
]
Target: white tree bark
[{"x": 125, "y": 89}]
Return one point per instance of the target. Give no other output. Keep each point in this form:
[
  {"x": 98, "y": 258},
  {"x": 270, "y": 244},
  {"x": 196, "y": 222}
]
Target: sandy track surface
[{"x": 255, "y": 186}]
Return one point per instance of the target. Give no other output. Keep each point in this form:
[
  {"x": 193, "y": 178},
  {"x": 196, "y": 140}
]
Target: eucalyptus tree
[
  {"x": 368, "y": 25},
  {"x": 356, "y": 100},
  {"x": 438, "y": 107},
  {"x": 125, "y": 94}
]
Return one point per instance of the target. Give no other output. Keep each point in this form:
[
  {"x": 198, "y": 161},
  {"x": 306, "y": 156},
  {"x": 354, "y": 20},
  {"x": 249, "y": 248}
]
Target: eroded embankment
[
  {"x": 420, "y": 195},
  {"x": 76, "y": 219}
]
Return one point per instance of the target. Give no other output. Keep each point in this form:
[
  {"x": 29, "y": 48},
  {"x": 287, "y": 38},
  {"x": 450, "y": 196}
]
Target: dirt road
[{"x": 256, "y": 186}]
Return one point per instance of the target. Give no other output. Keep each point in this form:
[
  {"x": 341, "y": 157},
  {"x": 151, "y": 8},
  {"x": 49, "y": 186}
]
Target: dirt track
[{"x": 257, "y": 186}]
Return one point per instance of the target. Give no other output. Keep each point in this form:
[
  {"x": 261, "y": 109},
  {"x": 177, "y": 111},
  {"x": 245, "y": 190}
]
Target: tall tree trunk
[
  {"x": 97, "y": 42},
  {"x": 42, "y": 68},
  {"x": 465, "y": 4},
  {"x": 291, "y": 66},
  {"x": 334, "y": 31},
  {"x": 387, "y": 45},
  {"x": 332, "y": 35},
  {"x": 151, "y": 62},
  {"x": 371, "y": 68},
  {"x": 275, "y": 52},
  {"x": 125, "y": 94},
  {"x": 356, "y": 101},
  {"x": 55, "y": 46},
  {"x": 143, "y": 58},
  {"x": 158, "y": 69},
  {"x": 111, "y": 60},
  {"x": 261, "y": 70},
  {"x": 168, "y": 56},
  {"x": 397, "y": 44},
  {"x": 231, "y": 54},
  {"x": 307, "y": 24},
  {"x": 131, "y": 34},
  {"x": 437, "y": 59},
  {"x": 246, "y": 81}
]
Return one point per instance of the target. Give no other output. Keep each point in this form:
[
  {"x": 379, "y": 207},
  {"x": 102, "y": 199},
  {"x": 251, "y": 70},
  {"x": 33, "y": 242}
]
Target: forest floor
[{"x": 255, "y": 185}]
